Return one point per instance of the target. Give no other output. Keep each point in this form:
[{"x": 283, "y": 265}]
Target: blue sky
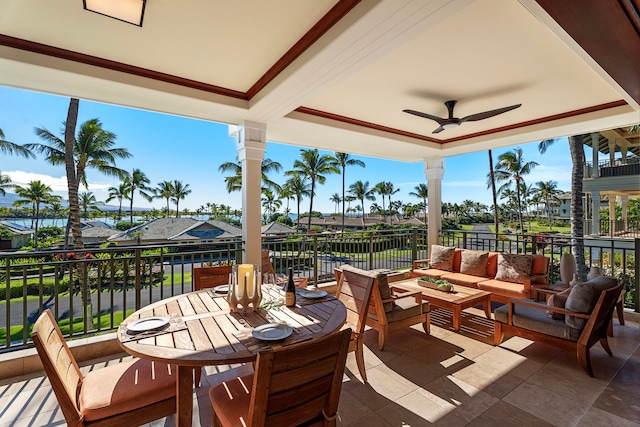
[{"x": 168, "y": 147}]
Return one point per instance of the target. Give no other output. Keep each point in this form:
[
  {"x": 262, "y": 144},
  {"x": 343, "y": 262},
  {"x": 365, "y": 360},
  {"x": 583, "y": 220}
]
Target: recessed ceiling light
[{"x": 131, "y": 11}]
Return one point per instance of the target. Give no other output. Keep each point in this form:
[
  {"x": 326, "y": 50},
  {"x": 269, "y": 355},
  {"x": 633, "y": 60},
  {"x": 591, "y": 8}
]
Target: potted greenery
[{"x": 433, "y": 283}]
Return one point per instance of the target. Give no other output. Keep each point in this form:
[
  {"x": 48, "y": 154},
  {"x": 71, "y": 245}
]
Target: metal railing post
[
  {"x": 371, "y": 250},
  {"x": 315, "y": 260},
  {"x": 138, "y": 279},
  {"x": 414, "y": 244},
  {"x": 636, "y": 293}
]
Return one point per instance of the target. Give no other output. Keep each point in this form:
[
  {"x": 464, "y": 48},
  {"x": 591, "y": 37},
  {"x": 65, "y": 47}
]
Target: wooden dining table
[{"x": 202, "y": 330}]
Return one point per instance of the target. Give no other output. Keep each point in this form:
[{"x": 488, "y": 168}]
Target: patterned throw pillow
[
  {"x": 558, "y": 301},
  {"x": 474, "y": 263},
  {"x": 442, "y": 257},
  {"x": 513, "y": 267}
]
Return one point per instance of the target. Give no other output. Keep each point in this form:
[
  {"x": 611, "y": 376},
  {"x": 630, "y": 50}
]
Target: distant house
[
  {"x": 276, "y": 229},
  {"x": 96, "y": 231},
  {"x": 21, "y": 236},
  {"x": 177, "y": 230},
  {"x": 355, "y": 222}
]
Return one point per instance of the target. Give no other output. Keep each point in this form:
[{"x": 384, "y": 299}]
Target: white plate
[
  {"x": 272, "y": 332},
  {"x": 221, "y": 289},
  {"x": 313, "y": 294},
  {"x": 148, "y": 323}
]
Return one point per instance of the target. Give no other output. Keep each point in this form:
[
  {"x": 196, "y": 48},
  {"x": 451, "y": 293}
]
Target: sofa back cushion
[
  {"x": 514, "y": 267},
  {"x": 492, "y": 264},
  {"x": 584, "y": 297},
  {"x": 474, "y": 263},
  {"x": 441, "y": 257},
  {"x": 540, "y": 266}
]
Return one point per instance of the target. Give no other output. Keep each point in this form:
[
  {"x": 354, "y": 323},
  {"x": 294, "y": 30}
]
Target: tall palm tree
[
  {"x": 270, "y": 202},
  {"x": 335, "y": 198},
  {"x": 120, "y": 193},
  {"x": 56, "y": 211},
  {"x": 5, "y": 182},
  {"x": 361, "y": 191},
  {"x": 343, "y": 160},
  {"x": 315, "y": 167},
  {"x": 298, "y": 186},
  {"x": 422, "y": 192},
  {"x": 164, "y": 190},
  {"x": 9, "y": 147},
  {"x": 180, "y": 191},
  {"x": 87, "y": 201},
  {"x": 547, "y": 191},
  {"x": 494, "y": 193},
  {"x": 511, "y": 167},
  {"x": 576, "y": 149},
  {"x": 381, "y": 189},
  {"x": 285, "y": 193},
  {"x": 35, "y": 194},
  {"x": 390, "y": 191},
  {"x": 137, "y": 181},
  {"x": 234, "y": 181}
]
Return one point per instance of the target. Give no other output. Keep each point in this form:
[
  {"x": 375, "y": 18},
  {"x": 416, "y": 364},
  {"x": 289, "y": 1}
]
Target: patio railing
[{"x": 123, "y": 279}]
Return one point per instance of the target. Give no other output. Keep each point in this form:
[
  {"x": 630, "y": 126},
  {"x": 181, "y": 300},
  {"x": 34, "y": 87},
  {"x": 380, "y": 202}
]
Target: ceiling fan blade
[
  {"x": 437, "y": 119},
  {"x": 487, "y": 114},
  {"x": 438, "y": 130}
]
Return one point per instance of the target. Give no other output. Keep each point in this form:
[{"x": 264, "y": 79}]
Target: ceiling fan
[{"x": 453, "y": 122}]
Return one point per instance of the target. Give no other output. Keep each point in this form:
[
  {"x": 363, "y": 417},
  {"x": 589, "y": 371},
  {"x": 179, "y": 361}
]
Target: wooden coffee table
[{"x": 462, "y": 297}]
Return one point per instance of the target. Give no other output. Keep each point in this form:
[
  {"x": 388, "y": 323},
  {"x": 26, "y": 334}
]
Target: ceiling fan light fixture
[
  {"x": 450, "y": 125},
  {"x": 130, "y": 11}
]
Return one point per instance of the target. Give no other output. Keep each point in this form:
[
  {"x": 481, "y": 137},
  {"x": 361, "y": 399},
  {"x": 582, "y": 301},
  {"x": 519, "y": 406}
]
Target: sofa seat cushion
[
  {"x": 124, "y": 387},
  {"x": 536, "y": 319},
  {"x": 463, "y": 279},
  {"x": 505, "y": 289},
  {"x": 403, "y": 309},
  {"x": 430, "y": 272}
]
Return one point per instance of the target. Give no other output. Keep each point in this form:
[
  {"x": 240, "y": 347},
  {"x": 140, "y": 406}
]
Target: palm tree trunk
[
  {"x": 576, "y": 149},
  {"x": 494, "y": 193},
  {"x": 313, "y": 188},
  {"x": 35, "y": 237},
  {"x": 343, "y": 171},
  {"x": 131, "y": 210}
]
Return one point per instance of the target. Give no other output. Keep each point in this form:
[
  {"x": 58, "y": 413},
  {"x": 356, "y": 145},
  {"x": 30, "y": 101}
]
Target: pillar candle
[{"x": 245, "y": 279}]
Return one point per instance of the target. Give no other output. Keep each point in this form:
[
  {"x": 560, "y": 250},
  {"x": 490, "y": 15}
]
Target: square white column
[{"x": 434, "y": 172}]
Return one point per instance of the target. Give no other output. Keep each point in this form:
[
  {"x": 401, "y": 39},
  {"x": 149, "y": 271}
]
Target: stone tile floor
[{"x": 448, "y": 378}]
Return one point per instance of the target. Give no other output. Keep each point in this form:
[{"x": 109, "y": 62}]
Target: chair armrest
[
  {"x": 532, "y": 304},
  {"x": 417, "y": 262}
]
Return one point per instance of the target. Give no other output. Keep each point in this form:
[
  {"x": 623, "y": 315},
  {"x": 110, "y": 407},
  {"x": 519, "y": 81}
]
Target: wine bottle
[{"x": 290, "y": 290}]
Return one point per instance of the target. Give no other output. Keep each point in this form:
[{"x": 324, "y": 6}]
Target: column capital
[
  {"x": 251, "y": 138},
  {"x": 434, "y": 168}
]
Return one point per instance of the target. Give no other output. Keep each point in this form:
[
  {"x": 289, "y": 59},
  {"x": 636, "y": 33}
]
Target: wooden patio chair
[
  {"x": 125, "y": 394},
  {"x": 291, "y": 386},
  {"x": 267, "y": 267},
  {"x": 208, "y": 277},
  {"x": 354, "y": 290},
  {"x": 528, "y": 319},
  {"x": 389, "y": 311}
]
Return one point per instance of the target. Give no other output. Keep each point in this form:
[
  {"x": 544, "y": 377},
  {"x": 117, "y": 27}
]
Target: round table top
[{"x": 203, "y": 331}]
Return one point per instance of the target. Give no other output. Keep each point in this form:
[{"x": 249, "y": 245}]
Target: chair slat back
[
  {"x": 354, "y": 291},
  {"x": 208, "y": 277},
  {"x": 59, "y": 364},
  {"x": 602, "y": 312},
  {"x": 294, "y": 385},
  {"x": 267, "y": 267}
]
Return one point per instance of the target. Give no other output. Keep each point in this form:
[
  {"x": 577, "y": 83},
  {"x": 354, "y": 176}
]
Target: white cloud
[{"x": 57, "y": 184}]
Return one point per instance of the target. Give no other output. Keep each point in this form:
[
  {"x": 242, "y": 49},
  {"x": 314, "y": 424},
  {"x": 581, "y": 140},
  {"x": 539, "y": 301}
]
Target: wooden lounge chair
[
  {"x": 528, "y": 319},
  {"x": 389, "y": 312},
  {"x": 290, "y": 386},
  {"x": 354, "y": 290},
  {"x": 125, "y": 394}
]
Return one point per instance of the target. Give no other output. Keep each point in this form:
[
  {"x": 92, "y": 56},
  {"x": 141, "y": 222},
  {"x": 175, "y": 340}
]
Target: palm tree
[
  {"x": 511, "y": 167},
  {"x": 120, "y": 193},
  {"x": 9, "y": 147},
  {"x": 422, "y": 193},
  {"x": 335, "y": 198},
  {"x": 180, "y": 191},
  {"x": 56, "y": 211},
  {"x": 234, "y": 181},
  {"x": 300, "y": 188},
  {"x": 35, "y": 194},
  {"x": 491, "y": 182},
  {"x": 361, "y": 191},
  {"x": 5, "y": 182},
  {"x": 547, "y": 191},
  {"x": 389, "y": 191},
  {"x": 343, "y": 160},
  {"x": 286, "y": 194},
  {"x": 137, "y": 181},
  {"x": 315, "y": 167},
  {"x": 87, "y": 201},
  {"x": 381, "y": 188},
  {"x": 164, "y": 190},
  {"x": 576, "y": 149},
  {"x": 270, "y": 202}
]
